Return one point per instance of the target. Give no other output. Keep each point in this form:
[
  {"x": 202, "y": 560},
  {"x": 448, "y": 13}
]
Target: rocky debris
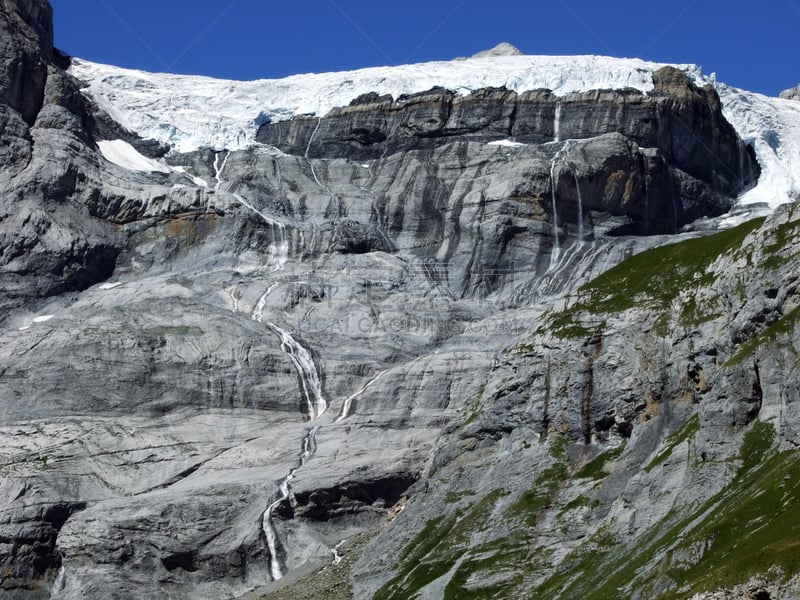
[
  {"x": 758, "y": 588},
  {"x": 329, "y": 582}
]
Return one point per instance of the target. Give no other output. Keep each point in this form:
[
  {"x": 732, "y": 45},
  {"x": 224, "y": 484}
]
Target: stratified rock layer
[{"x": 516, "y": 388}]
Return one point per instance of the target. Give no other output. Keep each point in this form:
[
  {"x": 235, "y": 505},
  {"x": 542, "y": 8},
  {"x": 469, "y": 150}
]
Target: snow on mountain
[
  {"x": 121, "y": 153},
  {"x": 772, "y": 127},
  {"x": 190, "y": 112}
]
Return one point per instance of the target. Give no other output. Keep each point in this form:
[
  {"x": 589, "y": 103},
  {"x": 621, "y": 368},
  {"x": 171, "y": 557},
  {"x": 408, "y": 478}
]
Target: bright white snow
[
  {"x": 121, "y": 153},
  {"x": 199, "y": 182},
  {"x": 506, "y": 143},
  {"x": 190, "y": 112},
  {"x": 43, "y": 318},
  {"x": 772, "y": 127},
  {"x": 110, "y": 286}
]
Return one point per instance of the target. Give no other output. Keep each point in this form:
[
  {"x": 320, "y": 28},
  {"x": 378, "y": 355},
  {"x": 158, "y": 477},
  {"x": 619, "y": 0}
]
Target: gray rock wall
[{"x": 477, "y": 333}]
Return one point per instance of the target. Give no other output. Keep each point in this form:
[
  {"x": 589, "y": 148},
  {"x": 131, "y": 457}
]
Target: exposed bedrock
[
  {"x": 683, "y": 121},
  {"x": 438, "y": 292}
]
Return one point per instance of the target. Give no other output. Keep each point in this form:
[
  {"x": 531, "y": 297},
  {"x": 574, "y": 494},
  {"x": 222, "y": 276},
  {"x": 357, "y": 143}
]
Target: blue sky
[{"x": 754, "y": 45}]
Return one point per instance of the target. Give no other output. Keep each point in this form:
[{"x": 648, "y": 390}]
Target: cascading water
[
  {"x": 279, "y": 248},
  {"x": 348, "y": 404},
  {"x": 334, "y": 198},
  {"x": 317, "y": 405},
  {"x": 553, "y": 183},
  {"x": 219, "y": 168},
  {"x": 258, "y": 311},
  {"x": 270, "y": 533},
  {"x": 557, "y": 123},
  {"x": 337, "y": 558},
  {"x": 308, "y": 160},
  {"x": 580, "y": 206},
  {"x": 306, "y": 371},
  {"x": 60, "y": 582}
]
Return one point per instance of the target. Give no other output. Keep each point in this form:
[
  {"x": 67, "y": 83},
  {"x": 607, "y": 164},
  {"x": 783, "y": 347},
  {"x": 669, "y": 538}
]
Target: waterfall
[
  {"x": 308, "y": 149},
  {"x": 272, "y": 536},
  {"x": 258, "y": 311},
  {"x": 337, "y": 558},
  {"x": 312, "y": 394},
  {"x": 555, "y": 214},
  {"x": 347, "y": 406},
  {"x": 279, "y": 248},
  {"x": 270, "y": 533},
  {"x": 580, "y": 206},
  {"x": 60, "y": 581},
  {"x": 334, "y": 198},
  {"x": 557, "y": 123},
  {"x": 306, "y": 371}
]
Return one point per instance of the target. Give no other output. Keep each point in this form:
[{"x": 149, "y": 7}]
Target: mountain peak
[
  {"x": 791, "y": 93},
  {"x": 502, "y": 49}
]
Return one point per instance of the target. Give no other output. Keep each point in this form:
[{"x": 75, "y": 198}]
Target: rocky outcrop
[
  {"x": 697, "y": 158},
  {"x": 26, "y": 28},
  {"x": 502, "y": 49},
  {"x": 52, "y": 179},
  {"x": 463, "y": 351},
  {"x": 791, "y": 93}
]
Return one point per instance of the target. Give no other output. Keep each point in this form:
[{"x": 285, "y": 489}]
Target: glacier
[{"x": 192, "y": 112}]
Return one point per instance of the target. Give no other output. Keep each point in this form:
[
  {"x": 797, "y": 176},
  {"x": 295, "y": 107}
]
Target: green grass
[
  {"x": 755, "y": 524},
  {"x": 539, "y": 496},
  {"x": 596, "y": 468},
  {"x": 456, "y": 497},
  {"x": 487, "y": 560},
  {"x": 685, "y": 432},
  {"x": 652, "y": 279},
  {"x": 448, "y": 542},
  {"x": 771, "y": 335},
  {"x": 751, "y": 525},
  {"x": 782, "y": 235},
  {"x": 435, "y": 550},
  {"x": 522, "y": 349}
]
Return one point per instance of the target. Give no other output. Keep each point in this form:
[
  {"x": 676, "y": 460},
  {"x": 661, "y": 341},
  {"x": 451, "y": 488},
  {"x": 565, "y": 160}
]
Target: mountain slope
[{"x": 393, "y": 350}]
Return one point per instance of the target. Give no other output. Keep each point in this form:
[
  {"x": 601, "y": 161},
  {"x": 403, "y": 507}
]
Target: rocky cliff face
[
  {"x": 677, "y": 137},
  {"x": 461, "y": 368}
]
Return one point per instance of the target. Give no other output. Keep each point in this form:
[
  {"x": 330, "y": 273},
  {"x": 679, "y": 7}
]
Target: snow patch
[
  {"x": 109, "y": 286},
  {"x": 122, "y": 154},
  {"x": 506, "y": 143},
  {"x": 198, "y": 181},
  {"x": 42, "y": 318}
]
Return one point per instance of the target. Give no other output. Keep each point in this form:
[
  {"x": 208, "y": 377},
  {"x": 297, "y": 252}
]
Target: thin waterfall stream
[{"x": 279, "y": 246}]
